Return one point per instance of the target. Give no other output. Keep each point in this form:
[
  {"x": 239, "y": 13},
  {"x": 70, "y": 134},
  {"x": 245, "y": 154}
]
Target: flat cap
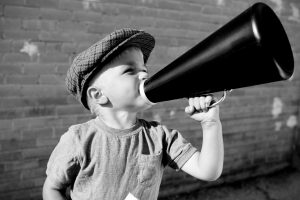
[{"x": 87, "y": 63}]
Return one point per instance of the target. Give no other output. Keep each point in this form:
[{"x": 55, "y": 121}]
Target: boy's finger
[
  {"x": 192, "y": 104},
  {"x": 196, "y": 103},
  {"x": 208, "y": 100},
  {"x": 191, "y": 101},
  {"x": 202, "y": 103},
  {"x": 189, "y": 109}
]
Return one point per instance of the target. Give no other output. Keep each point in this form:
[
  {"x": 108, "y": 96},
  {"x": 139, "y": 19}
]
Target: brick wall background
[{"x": 38, "y": 40}]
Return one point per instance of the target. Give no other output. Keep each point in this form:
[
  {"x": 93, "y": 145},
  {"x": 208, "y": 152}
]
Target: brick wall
[{"x": 38, "y": 40}]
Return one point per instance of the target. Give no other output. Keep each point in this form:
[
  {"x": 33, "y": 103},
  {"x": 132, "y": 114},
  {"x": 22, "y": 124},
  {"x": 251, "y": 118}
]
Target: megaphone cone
[{"x": 251, "y": 49}]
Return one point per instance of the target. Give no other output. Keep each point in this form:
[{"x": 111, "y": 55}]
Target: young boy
[{"x": 117, "y": 156}]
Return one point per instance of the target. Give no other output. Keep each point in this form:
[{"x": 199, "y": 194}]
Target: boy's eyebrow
[{"x": 136, "y": 64}]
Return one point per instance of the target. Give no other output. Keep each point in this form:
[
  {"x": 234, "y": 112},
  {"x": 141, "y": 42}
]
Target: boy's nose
[{"x": 143, "y": 75}]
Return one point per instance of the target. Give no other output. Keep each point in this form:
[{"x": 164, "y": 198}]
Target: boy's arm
[
  {"x": 51, "y": 192},
  {"x": 208, "y": 163}
]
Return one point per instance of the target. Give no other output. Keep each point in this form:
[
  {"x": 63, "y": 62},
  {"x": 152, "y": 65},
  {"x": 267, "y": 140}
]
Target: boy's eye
[{"x": 128, "y": 70}]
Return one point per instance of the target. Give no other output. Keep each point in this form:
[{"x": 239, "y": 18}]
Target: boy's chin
[
  {"x": 143, "y": 107},
  {"x": 146, "y": 107}
]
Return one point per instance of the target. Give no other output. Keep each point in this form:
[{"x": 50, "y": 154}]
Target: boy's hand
[{"x": 198, "y": 109}]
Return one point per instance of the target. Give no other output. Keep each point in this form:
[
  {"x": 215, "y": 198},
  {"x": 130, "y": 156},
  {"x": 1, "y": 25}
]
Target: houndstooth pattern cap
[{"x": 87, "y": 63}]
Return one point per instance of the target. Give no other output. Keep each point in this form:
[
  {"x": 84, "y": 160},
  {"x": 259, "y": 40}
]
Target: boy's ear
[{"x": 97, "y": 95}]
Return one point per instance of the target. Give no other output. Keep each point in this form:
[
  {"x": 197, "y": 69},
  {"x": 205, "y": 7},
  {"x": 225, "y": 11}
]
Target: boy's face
[{"x": 119, "y": 81}]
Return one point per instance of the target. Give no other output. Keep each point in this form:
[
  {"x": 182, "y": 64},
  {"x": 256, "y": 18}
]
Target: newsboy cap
[{"x": 87, "y": 63}]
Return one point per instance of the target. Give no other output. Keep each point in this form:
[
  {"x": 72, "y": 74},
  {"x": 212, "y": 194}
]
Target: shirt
[{"x": 100, "y": 162}]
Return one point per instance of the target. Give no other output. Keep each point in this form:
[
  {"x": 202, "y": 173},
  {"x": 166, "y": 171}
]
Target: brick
[
  {"x": 10, "y": 156},
  {"x": 11, "y": 68},
  {"x": 31, "y": 24},
  {"x": 38, "y": 133},
  {"x": 21, "y": 34},
  {"x": 42, "y": 142},
  {"x": 150, "y": 12},
  {"x": 85, "y": 38},
  {"x": 55, "y": 14},
  {"x": 169, "y": 5},
  {"x": 39, "y": 68},
  {"x": 54, "y": 58},
  {"x": 211, "y": 10},
  {"x": 37, "y": 154},
  {"x": 16, "y": 45},
  {"x": 32, "y": 123},
  {"x": 53, "y": 47},
  {"x": 9, "y": 134},
  {"x": 71, "y": 5},
  {"x": 16, "y": 58},
  {"x": 120, "y": 21},
  {"x": 69, "y": 48},
  {"x": 52, "y": 80},
  {"x": 71, "y": 26},
  {"x": 48, "y": 25},
  {"x": 59, "y": 100},
  {"x": 15, "y": 102},
  {"x": 42, "y": 91},
  {"x": 141, "y": 22},
  {"x": 5, "y": 124},
  {"x": 32, "y": 173},
  {"x": 22, "y": 79},
  {"x": 191, "y": 7},
  {"x": 10, "y": 90},
  {"x": 2, "y": 79},
  {"x": 113, "y": 9},
  {"x": 13, "y": 144},
  {"x": 43, "y": 4},
  {"x": 129, "y": 9},
  {"x": 19, "y": 165},
  {"x": 40, "y": 111},
  {"x": 70, "y": 110},
  {"x": 54, "y": 36},
  {"x": 100, "y": 28},
  {"x": 21, "y": 12},
  {"x": 14, "y": 175},
  {"x": 11, "y": 24},
  {"x": 10, "y": 186},
  {"x": 11, "y": 113},
  {"x": 1, "y": 10},
  {"x": 5, "y": 46},
  {"x": 82, "y": 16},
  {"x": 62, "y": 69},
  {"x": 13, "y": 2},
  {"x": 10, "y": 102},
  {"x": 169, "y": 14},
  {"x": 166, "y": 23},
  {"x": 39, "y": 182}
]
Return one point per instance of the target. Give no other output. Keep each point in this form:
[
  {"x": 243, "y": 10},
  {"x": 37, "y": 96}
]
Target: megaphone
[{"x": 251, "y": 49}]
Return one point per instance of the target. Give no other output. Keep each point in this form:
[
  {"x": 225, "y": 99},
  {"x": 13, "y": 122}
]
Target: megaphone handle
[{"x": 220, "y": 100}]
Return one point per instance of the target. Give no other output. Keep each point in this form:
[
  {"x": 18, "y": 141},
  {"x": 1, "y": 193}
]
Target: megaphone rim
[
  {"x": 143, "y": 94},
  {"x": 263, "y": 14}
]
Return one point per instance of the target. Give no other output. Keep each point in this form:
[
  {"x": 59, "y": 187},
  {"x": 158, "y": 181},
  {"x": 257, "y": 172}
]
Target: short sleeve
[
  {"x": 63, "y": 164},
  {"x": 178, "y": 150}
]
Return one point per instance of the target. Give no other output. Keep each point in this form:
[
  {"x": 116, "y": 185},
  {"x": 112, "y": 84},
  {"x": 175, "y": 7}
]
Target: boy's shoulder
[{"x": 81, "y": 130}]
